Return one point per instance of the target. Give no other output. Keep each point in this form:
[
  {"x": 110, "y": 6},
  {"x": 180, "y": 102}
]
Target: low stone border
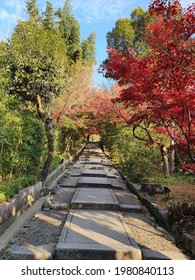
[
  {"x": 188, "y": 242},
  {"x": 10, "y": 211},
  {"x": 59, "y": 170},
  {"x": 161, "y": 215}
]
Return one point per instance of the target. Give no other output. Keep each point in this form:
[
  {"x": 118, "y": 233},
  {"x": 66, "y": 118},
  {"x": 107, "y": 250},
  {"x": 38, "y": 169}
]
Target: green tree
[
  {"x": 78, "y": 74},
  {"x": 137, "y": 160},
  {"x": 21, "y": 139},
  {"x": 32, "y": 10},
  {"x": 48, "y": 16},
  {"x": 3, "y": 61},
  {"x": 70, "y": 30},
  {"x": 36, "y": 60},
  {"x": 70, "y": 136},
  {"x": 139, "y": 18},
  {"x": 122, "y": 35},
  {"x": 130, "y": 32},
  {"x": 88, "y": 49},
  {"x": 44, "y": 63}
]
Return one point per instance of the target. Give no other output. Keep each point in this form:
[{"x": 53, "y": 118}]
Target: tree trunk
[
  {"x": 48, "y": 123},
  {"x": 172, "y": 159},
  {"x": 50, "y": 144},
  {"x": 165, "y": 160},
  {"x": 172, "y": 162}
]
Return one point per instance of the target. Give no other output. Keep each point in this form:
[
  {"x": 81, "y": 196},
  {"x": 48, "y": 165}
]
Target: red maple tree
[
  {"x": 160, "y": 87},
  {"x": 99, "y": 110}
]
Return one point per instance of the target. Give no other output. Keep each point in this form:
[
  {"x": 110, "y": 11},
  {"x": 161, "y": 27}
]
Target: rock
[
  {"x": 54, "y": 190},
  {"x": 189, "y": 242},
  {"x": 47, "y": 204},
  {"x": 166, "y": 191},
  {"x": 152, "y": 188},
  {"x": 166, "y": 234}
]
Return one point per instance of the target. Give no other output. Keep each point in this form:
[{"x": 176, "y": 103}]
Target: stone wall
[
  {"x": 9, "y": 211},
  {"x": 180, "y": 212},
  {"x": 188, "y": 242}
]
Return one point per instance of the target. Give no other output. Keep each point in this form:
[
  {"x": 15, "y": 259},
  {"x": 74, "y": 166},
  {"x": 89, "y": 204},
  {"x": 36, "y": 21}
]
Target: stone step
[
  {"x": 97, "y": 173},
  {"x": 96, "y": 235},
  {"x": 130, "y": 208},
  {"x": 30, "y": 252},
  {"x": 95, "y": 198},
  {"x": 93, "y": 173},
  {"x": 96, "y": 182},
  {"x": 91, "y": 162},
  {"x": 101, "y": 199},
  {"x": 95, "y": 167}
]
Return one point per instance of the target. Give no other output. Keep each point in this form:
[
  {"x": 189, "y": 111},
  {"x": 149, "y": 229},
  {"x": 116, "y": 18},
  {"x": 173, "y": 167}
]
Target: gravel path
[
  {"x": 44, "y": 228},
  {"x": 146, "y": 235}
]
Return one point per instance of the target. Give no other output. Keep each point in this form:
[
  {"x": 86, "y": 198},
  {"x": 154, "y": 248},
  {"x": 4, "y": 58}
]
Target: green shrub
[
  {"x": 55, "y": 163},
  {"x": 2, "y": 197},
  {"x": 21, "y": 141},
  {"x": 136, "y": 159},
  {"x": 69, "y": 137},
  {"x": 11, "y": 188}
]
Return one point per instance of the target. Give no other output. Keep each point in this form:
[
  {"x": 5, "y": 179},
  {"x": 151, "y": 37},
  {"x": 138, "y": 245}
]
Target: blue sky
[{"x": 98, "y": 15}]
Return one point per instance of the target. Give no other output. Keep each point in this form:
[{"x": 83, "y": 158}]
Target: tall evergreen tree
[
  {"x": 122, "y": 35},
  {"x": 33, "y": 11},
  {"x": 48, "y": 16},
  {"x": 88, "y": 49},
  {"x": 140, "y": 19},
  {"x": 70, "y": 30},
  {"x": 129, "y": 32}
]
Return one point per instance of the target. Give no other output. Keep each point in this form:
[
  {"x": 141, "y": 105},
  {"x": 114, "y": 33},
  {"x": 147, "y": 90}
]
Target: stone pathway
[{"x": 91, "y": 215}]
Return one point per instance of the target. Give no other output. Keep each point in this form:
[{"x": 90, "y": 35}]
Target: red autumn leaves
[{"x": 159, "y": 86}]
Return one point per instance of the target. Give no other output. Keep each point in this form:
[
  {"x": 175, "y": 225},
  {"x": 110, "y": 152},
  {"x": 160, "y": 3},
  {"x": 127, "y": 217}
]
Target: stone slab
[
  {"x": 97, "y": 173},
  {"x": 60, "y": 206},
  {"x": 31, "y": 252},
  {"x": 130, "y": 208},
  {"x": 112, "y": 175},
  {"x": 70, "y": 182},
  {"x": 95, "y": 198},
  {"x": 75, "y": 173},
  {"x": 93, "y": 173},
  {"x": 96, "y": 234},
  {"x": 95, "y": 167},
  {"x": 91, "y": 162},
  {"x": 77, "y": 166},
  {"x": 107, "y": 164},
  {"x": 117, "y": 184},
  {"x": 88, "y": 182}
]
